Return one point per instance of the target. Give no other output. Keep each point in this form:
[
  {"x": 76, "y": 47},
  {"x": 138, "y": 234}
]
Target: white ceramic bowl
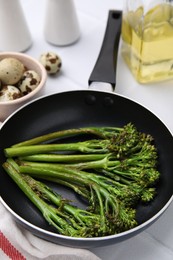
[{"x": 8, "y": 107}]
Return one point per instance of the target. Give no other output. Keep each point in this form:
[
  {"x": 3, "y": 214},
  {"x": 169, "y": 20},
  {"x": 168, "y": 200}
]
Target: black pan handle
[{"x": 105, "y": 67}]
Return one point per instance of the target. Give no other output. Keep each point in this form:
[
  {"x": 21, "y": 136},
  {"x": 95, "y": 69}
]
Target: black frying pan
[{"x": 78, "y": 109}]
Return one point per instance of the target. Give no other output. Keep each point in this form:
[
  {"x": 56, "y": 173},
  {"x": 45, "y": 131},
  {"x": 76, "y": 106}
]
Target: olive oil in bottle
[{"x": 147, "y": 43}]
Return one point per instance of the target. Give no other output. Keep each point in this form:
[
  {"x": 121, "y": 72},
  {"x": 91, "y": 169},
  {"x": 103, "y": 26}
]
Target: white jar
[
  {"x": 61, "y": 23},
  {"x": 14, "y": 32}
]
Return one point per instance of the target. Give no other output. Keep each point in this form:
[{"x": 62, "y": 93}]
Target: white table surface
[{"x": 78, "y": 60}]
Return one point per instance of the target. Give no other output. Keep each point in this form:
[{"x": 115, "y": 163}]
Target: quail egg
[
  {"x": 11, "y": 71},
  {"x": 29, "y": 81},
  {"x": 9, "y": 92},
  {"x": 51, "y": 61}
]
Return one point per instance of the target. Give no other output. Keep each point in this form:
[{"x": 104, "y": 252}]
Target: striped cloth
[{"x": 8, "y": 251}]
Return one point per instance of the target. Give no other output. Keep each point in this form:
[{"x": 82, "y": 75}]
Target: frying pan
[{"x": 80, "y": 109}]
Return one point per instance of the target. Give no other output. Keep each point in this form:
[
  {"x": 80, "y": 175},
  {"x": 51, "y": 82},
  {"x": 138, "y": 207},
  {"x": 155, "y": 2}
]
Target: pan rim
[{"x": 82, "y": 90}]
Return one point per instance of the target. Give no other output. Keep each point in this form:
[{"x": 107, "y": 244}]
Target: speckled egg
[
  {"x": 29, "y": 81},
  {"x": 9, "y": 92},
  {"x": 51, "y": 61},
  {"x": 11, "y": 71}
]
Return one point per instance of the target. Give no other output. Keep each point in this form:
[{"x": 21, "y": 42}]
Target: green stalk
[
  {"x": 101, "y": 195},
  {"x": 120, "y": 184},
  {"x": 48, "y": 170},
  {"x": 65, "y": 158},
  {"x": 78, "y": 180},
  {"x": 92, "y": 146},
  {"x": 77, "y": 216},
  {"x": 49, "y": 213},
  {"x": 104, "y": 163},
  {"x": 79, "y": 189},
  {"x": 64, "y": 172},
  {"x": 102, "y": 132},
  {"x": 80, "y": 162}
]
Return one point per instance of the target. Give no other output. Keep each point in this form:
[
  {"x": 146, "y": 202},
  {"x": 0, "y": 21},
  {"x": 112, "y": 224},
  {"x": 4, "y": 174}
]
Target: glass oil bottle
[{"x": 147, "y": 39}]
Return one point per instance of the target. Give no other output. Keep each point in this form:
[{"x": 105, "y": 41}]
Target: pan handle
[{"x": 104, "y": 73}]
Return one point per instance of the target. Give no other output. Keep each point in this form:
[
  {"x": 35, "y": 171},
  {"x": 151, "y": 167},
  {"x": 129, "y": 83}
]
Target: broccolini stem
[
  {"x": 79, "y": 189},
  {"x": 49, "y": 213},
  {"x": 65, "y": 172},
  {"x": 102, "y": 132},
  {"x": 65, "y": 158},
  {"x": 77, "y": 216},
  {"x": 92, "y": 181},
  {"x": 91, "y": 146},
  {"x": 120, "y": 185},
  {"x": 62, "y": 174},
  {"x": 104, "y": 163}
]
